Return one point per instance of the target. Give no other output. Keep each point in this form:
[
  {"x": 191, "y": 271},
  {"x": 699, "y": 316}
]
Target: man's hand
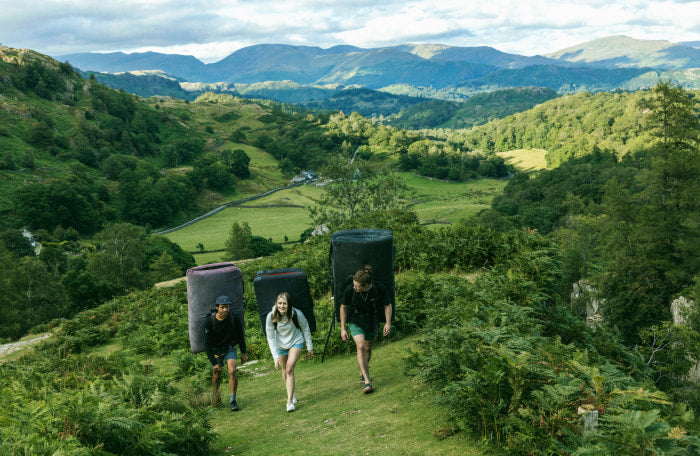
[
  {"x": 387, "y": 328},
  {"x": 344, "y": 335},
  {"x": 244, "y": 358},
  {"x": 277, "y": 364}
]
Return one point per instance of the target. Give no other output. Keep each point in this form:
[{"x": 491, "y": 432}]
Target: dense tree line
[
  {"x": 66, "y": 278},
  {"x": 476, "y": 110}
]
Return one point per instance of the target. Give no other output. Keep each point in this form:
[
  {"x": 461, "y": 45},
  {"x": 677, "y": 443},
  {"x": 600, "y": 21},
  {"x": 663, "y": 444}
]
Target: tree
[
  {"x": 16, "y": 243},
  {"x": 355, "y": 188},
  {"x": 218, "y": 177},
  {"x": 156, "y": 246},
  {"x": 164, "y": 268},
  {"x": 237, "y": 162},
  {"x": 259, "y": 246},
  {"x": 120, "y": 255},
  {"x": 654, "y": 219},
  {"x": 238, "y": 242},
  {"x": 671, "y": 214}
]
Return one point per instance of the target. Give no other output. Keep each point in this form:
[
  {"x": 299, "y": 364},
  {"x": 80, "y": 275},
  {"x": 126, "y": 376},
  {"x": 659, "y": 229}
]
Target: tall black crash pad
[
  {"x": 269, "y": 284},
  {"x": 351, "y": 250},
  {"x": 204, "y": 284}
]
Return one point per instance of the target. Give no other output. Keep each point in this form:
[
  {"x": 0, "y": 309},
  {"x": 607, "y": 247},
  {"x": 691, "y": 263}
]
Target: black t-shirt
[
  {"x": 362, "y": 304},
  {"x": 222, "y": 333},
  {"x": 219, "y": 335}
]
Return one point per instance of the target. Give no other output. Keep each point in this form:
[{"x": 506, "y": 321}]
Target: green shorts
[{"x": 369, "y": 335}]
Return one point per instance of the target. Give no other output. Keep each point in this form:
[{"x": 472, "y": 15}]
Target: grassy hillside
[
  {"x": 333, "y": 417},
  {"x": 481, "y": 346}
]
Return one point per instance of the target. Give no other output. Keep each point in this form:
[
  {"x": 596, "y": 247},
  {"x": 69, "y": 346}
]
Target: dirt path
[{"x": 6, "y": 349}]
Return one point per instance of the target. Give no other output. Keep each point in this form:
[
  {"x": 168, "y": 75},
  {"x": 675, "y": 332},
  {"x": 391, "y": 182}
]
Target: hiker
[
  {"x": 222, "y": 332},
  {"x": 360, "y": 305},
  {"x": 287, "y": 329}
]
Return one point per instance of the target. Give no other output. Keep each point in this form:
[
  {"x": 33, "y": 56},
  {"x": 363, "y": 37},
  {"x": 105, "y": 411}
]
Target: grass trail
[{"x": 333, "y": 417}]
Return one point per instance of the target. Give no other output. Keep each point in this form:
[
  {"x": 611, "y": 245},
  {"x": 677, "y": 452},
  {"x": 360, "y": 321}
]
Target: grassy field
[
  {"x": 287, "y": 212},
  {"x": 333, "y": 417},
  {"x": 448, "y": 202},
  {"x": 527, "y": 160}
]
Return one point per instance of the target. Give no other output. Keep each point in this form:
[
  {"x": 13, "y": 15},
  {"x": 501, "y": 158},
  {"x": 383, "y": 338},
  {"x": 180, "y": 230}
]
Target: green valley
[{"x": 494, "y": 226}]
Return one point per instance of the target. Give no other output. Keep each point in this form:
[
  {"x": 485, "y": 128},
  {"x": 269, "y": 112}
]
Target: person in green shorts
[{"x": 361, "y": 303}]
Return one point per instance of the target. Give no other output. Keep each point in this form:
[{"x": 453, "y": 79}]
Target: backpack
[
  {"x": 268, "y": 284},
  {"x": 351, "y": 250},
  {"x": 206, "y": 283}
]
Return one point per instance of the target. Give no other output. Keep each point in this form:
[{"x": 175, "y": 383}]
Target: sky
[{"x": 212, "y": 29}]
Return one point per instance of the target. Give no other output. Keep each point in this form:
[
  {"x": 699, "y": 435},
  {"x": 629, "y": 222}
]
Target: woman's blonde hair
[{"x": 276, "y": 315}]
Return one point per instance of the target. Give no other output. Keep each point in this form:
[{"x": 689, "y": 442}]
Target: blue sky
[{"x": 212, "y": 29}]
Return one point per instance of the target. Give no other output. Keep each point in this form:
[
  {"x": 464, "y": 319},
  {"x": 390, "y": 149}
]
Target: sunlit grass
[
  {"x": 526, "y": 160},
  {"x": 448, "y": 202}
]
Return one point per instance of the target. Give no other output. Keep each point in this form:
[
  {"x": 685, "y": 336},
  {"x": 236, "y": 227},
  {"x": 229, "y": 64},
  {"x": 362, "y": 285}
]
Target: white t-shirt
[{"x": 287, "y": 334}]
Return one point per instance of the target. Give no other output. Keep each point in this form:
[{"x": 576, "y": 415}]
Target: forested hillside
[{"x": 567, "y": 127}]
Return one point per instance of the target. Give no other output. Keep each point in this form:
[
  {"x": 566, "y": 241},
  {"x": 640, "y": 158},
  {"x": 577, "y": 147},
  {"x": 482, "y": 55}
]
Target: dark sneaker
[
  {"x": 234, "y": 406},
  {"x": 367, "y": 388}
]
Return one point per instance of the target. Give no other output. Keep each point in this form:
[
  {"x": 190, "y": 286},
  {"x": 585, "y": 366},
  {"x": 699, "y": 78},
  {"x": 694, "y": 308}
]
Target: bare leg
[
  {"x": 283, "y": 363},
  {"x": 289, "y": 380},
  {"x": 232, "y": 376},
  {"x": 215, "y": 382},
  {"x": 363, "y": 347}
]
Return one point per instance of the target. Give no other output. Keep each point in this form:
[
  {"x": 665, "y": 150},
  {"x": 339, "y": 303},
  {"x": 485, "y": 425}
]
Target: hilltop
[{"x": 435, "y": 71}]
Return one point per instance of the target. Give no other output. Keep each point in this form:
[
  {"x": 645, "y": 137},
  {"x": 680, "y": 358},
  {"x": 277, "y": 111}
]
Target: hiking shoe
[
  {"x": 294, "y": 398},
  {"x": 290, "y": 407},
  {"x": 367, "y": 388},
  {"x": 234, "y": 406}
]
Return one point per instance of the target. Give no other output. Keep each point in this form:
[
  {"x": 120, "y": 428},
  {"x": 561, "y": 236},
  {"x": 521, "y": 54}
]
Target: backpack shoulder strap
[{"x": 295, "y": 319}]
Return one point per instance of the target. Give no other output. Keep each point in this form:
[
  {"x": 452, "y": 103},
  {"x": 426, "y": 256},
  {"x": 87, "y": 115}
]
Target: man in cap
[{"x": 222, "y": 332}]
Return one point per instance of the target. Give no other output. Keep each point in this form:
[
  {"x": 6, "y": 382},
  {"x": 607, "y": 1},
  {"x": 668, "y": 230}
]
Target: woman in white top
[{"x": 287, "y": 329}]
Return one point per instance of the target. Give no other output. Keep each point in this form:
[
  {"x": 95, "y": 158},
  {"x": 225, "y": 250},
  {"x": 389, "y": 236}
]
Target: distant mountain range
[{"x": 436, "y": 71}]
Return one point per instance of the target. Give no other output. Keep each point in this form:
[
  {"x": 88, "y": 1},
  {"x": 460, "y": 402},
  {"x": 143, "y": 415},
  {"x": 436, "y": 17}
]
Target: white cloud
[{"x": 212, "y": 29}]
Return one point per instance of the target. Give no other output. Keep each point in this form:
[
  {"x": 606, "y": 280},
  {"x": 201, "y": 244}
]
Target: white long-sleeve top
[{"x": 287, "y": 334}]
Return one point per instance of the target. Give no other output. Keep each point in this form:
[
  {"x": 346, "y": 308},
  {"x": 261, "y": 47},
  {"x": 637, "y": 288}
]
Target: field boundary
[{"x": 229, "y": 204}]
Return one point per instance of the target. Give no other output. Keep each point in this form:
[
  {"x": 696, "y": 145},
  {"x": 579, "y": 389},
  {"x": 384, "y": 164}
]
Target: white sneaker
[
  {"x": 290, "y": 407},
  {"x": 294, "y": 398}
]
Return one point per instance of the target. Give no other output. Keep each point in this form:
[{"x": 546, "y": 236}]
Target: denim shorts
[
  {"x": 281, "y": 352},
  {"x": 230, "y": 354}
]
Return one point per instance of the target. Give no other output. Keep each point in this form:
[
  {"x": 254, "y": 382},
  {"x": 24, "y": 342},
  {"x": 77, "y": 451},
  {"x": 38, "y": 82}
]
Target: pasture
[
  {"x": 286, "y": 213},
  {"x": 527, "y": 160}
]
